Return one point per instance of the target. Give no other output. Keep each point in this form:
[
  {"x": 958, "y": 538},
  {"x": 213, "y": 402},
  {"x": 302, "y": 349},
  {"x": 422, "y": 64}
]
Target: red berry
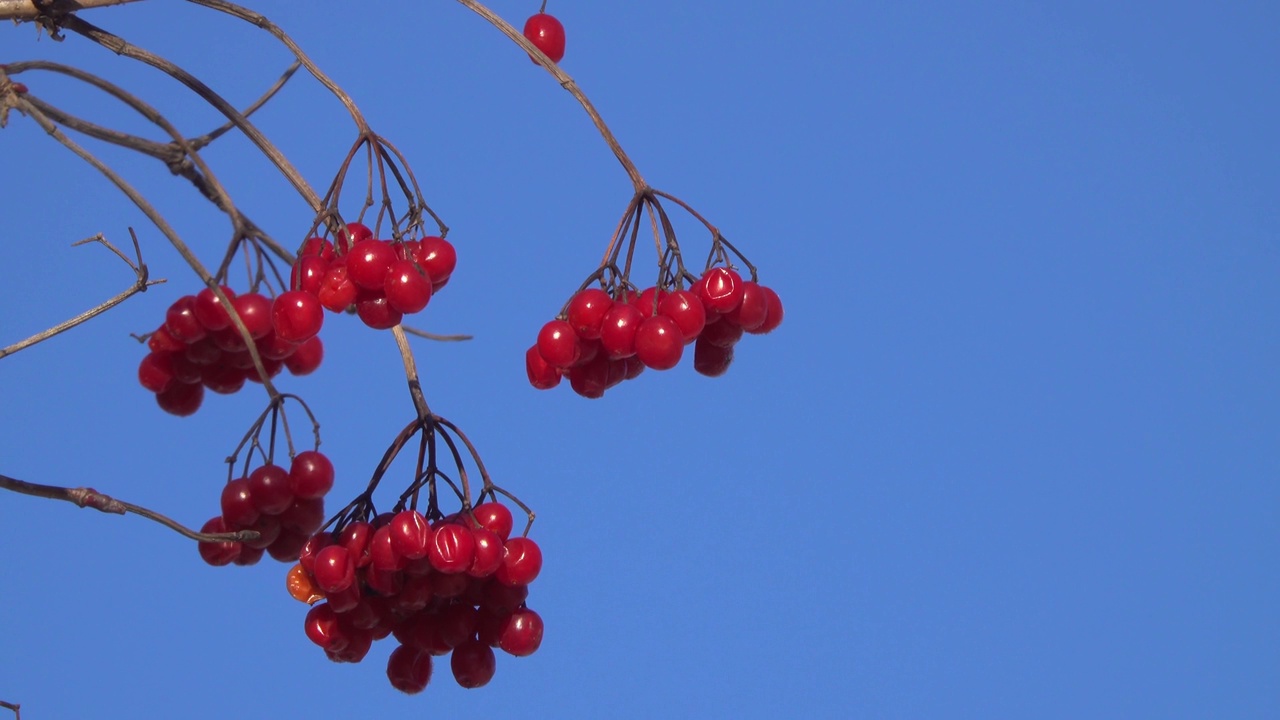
[
  {"x": 316, "y": 247},
  {"x": 296, "y": 316},
  {"x": 355, "y": 232},
  {"x": 268, "y": 529},
  {"x": 547, "y": 34},
  {"x": 238, "y": 509},
  {"x": 355, "y": 537},
  {"x": 181, "y": 399},
  {"x": 523, "y": 633},
  {"x": 411, "y": 534},
  {"x": 591, "y": 379},
  {"x": 753, "y": 310},
  {"x": 558, "y": 344},
  {"x": 618, "y": 333},
  {"x": 337, "y": 291},
  {"x": 406, "y": 288},
  {"x": 686, "y": 308},
  {"x": 521, "y": 562},
  {"x": 773, "y": 318},
  {"x": 452, "y": 549},
  {"x": 659, "y": 343},
  {"x": 723, "y": 334},
  {"x": 310, "y": 474},
  {"x": 438, "y": 258},
  {"x": 314, "y": 544},
  {"x": 155, "y": 372},
  {"x": 368, "y": 262},
  {"x": 378, "y": 314},
  {"x": 287, "y": 546},
  {"x": 649, "y": 300},
  {"x": 409, "y": 669},
  {"x": 383, "y": 555},
  {"x": 306, "y": 358},
  {"x": 254, "y": 310},
  {"x": 180, "y": 320},
  {"x": 489, "y": 554},
  {"x": 720, "y": 289},
  {"x": 335, "y": 570},
  {"x": 711, "y": 360},
  {"x": 304, "y": 515},
  {"x": 218, "y": 553},
  {"x": 541, "y": 373},
  {"x": 222, "y": 379},
  {"x": 162, "y": 341},
  {"x": 321, "y": 626},
  {"x": 473, "y": 664},
  {"x": 210, "y": 311},
  {"x": 587, "y": 310},
  {"x": 495, "y": 517},
  {"x": 249, "y": 555},
  {"x": 269, "y": 486}
]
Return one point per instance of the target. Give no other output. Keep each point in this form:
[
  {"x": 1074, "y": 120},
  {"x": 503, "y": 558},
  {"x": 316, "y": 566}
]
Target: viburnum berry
[
  {"x": 355, "y": 537},
  {"x": 368, "y": 262},
  {"x": 306, "y": 358},
  {"x": 452, "y": 549},
  {"x": 337, "y": 290},
  {"x": 238, "y": 509},
  {"x": 210, "y": 311},
  {"x": 590, "y": 379},
  {"x": 407, "y": 289},
  {"x": 558, "y": 344},
  {"x": 773, "y": 318},
  {"x": 754, "y": 308},
  {"x": 687, "y": 310},
  {"x": 618, "y": 332},
  {"x": 409, "y": 669},
  {"x": 489, "y": 553},
  {"x": 495, "y": 517},
  {"x": 438, "y": 258},
  {"x": 287, "y": 545},
  {"x": 181, "y": 399},
  {"x": 335, "y": 570},
  {"x": 711, "y": 360},
  {"x": 547, "y": 34},
  {"x": 720, "y": 289},
  {"x": 521, "y": 562},
  {"x": 305, "y": 515},
  {"x": 723, "y": 334},
  {"x": 218, "y": 553},
  {"x": 542, "y": 375},
  {"x": 181, "y": 322},
  {"x": 659, "y": 342},
  {"x": 310, "y": 474},
  {"x": 522, "y": 634},
  {"x": 473, "y": 664},
  {"x": 587, "y": 310},
  {"x": 318, "y": 247},
  {"x": 411, "y": 534},
  {"x": 296, "y": 316},
  {"x": 254, "y": 310},
  {"x": 269, "y": 489},
  {"x": 355, "y": 232},
  {"x": 155, "y": 372},
  {"x": 321, "y": 626},
  {"x": 377, "y": 313}
]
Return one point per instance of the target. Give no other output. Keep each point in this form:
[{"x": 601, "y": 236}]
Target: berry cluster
[
  {"x": 457, "y": 585},
  {"x": 381, "y": 281},
  {"x": 285, "y": 507},
  {"x": 199, "y": 346},
  {"x": 602, "y": 339}
]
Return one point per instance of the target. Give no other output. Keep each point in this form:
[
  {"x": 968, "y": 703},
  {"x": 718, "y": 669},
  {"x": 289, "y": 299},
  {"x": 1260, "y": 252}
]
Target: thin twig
[
  {"x": 90, "y": 498},
  {"x": 141, "y": 283},
  {"x": 18, "y": 10},
  {"x": 434, "y": 336}
]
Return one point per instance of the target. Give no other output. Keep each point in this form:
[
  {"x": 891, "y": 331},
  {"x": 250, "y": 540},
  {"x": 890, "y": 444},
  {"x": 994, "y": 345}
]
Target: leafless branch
[
  {"x": 141, "y": 283},
  {"x": 90, "y": 498},
  {"x": 28, "y": 10},
  {"x": 434, "y": 336}
]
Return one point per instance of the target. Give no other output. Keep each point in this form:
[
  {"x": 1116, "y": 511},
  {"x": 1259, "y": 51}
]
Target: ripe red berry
[
  {"x": 648, "y": 301},
  {"x": 383, "y": 556},
  {"x": 686, "y": 308},
  {"x": 162, "y": 341},
  {"x": 522, "y": 634},
  {"x": 494, "y": 516},
  {"x": 335, "y": 570},
  {"x": 723, "y": 334},
  {"x": 773, "y": 318},
  {"x": 337, "y": 291},
  {"x": 489, "y": 554},
  {"x": 218, "y": 553},
  {"x": 254, "y": 310},
  {"x": 355, "y": 232},
  {"x": 541, "y": 374},
  {"x": 720, "y": 289},
  {"x": 711, "y": 360},
  {"x": 356, "y": 537},
  {"x": 409, "y": 669},
  {"x": 210, "y": 311},
  {"x": 304, "y": 515},
  {"x": 180, "y": 320},
  {"x": 269, "y": 488},
  {"x": 558, "y": 344},
  {"x": 296, "y": 316},
  {"x": 368, "y": 262},
  {"x": 547, "y": 34},
  {"x": 590, "y": 379},
  {"x": 452, "y": 549},
  {"x": 473, "y": 664},
  {"x": 321, "y": 626},
  {"x": 438, "y": 258},
  {"x": 587, "y": 310},
  {"x": 618, "y": 332},
  {"x": 238, "y": 509},
  {"x": 377, "y": 313},
  {"x": 407, "y": 289},
  {"x": 317, "y": 247},
  {"x": 659, "y": 343},
  {"x": 753, "y": 310},
  {"x": 310, "y": 474},
  {"x": 181, "y": 399},
  {"x": 411, "y": 534},
  {"x": 521, "y": 562},
  {"x": 155, "y": 372},
  {"x": 306, "y": 358}
]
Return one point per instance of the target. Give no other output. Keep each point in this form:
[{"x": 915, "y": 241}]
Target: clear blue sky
[{"x": 1012, "y": 454}]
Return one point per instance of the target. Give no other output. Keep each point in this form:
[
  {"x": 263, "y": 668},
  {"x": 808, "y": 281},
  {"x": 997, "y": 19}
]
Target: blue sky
[{"x": 1011, "y": 454}]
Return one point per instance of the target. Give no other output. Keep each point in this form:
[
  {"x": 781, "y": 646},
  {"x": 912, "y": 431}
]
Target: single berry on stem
[{"x": 547, "y": 34}]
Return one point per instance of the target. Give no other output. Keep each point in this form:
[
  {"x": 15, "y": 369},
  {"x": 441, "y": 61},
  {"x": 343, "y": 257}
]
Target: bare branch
[
  {"x": 141, "y": 283},
  {"x": 90, "y": 498},
  {"x": 434, "y": 336},
  {"x": 18, "y": 10}
]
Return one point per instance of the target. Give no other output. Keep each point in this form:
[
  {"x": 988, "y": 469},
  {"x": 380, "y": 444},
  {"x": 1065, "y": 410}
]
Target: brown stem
[
  {"x": 411, "y": 372},
  {"x": 434, "y": 336},
  {"x": 90, "y": 498},
  {"x": 15, "y": 707},
  {"x": 567, "y": 83},
  {"x": 18, "y": 10},
  {"x": 140, "y": 284}
]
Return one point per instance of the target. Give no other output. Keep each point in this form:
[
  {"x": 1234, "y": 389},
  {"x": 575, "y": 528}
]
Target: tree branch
[
  {"x": 19, "y": 10},
  {"x": 90, "y": 498},
  {"x": 141, "y": 283}
]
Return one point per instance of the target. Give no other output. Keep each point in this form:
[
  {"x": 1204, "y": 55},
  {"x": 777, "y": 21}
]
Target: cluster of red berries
[
  {"x": 380, "y": 280},
  {"x": 285, "y": 507},
  {"x": 453, "y": 586},
  {"x": 199, "y": 346},
  {"x": 602, "y": 339},
  {"x": 547, "y": 34}
]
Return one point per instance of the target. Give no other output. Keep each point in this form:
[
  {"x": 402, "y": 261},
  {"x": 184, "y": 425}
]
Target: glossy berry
[
  {"x": 489, "y": 554},
  {"x": 155, "y": 372},
  {"x": 296, "y": 316},
  {"x": 473, "y": 664},
  {"x": 181, "y": 323},
  {"x": 558, "y": 344},
  {"x": 452, "y": 549},
  {"x": 368, "y": 262},
  {"x": 711, "y": 360},
  {"x": 317, "y": 247},
  {"x": 686, "y": 308},
  {"x": 547, "y": 34},
  {"x": 334, "y": 570},
  {"x": 355, "y": 232},
  {"x": 542, "y": 375},
  {"x": 269, "y": 488},
  {"x": 254, "y": 310},
  {"x": 522, "y": 634},
  {"x": 437, "y": 257},
  {"x": 587, "y": 310},
  {"x": 494, "y": 516},
  {"x": 618, "y": 332},
  {"x": 407, "y": 289},
  {"x": 411, "y": 534},
  {"x": 773, "y": 318},
  {"x": 720, "y": 289},
  {"x": 210, "y": 311},
  {"x": 753, "y": 310},
  {"x": 218, "y": 553},
  {"x": 181, "y": 399},
  {"x": 659, "y": 343},
  {"x": 238, "y": 509},
  {"x": 306, "y": 358},
  {"x": 409, "y": 669},
  {"x": 310, "y": 474},
  {"x": 521, "y": 562},
  {"x": 377, "y": 313},
  {"x": 337, "y": 291}
]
